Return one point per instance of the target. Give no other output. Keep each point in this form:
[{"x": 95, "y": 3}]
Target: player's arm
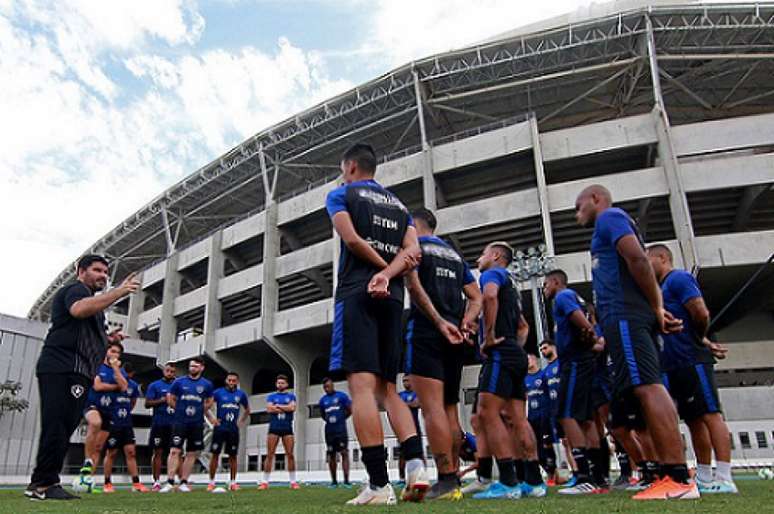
[
  {"x": 171, "y": 400},
  {"x": 101, "y": 387},
  {"x": 245, "y": 414},
  {"x": 406, "y": 259},
  {"x": 121, "y": 381},
  {"x": 272, "y": 408},
  {"x": 91, "y": 305},
  {"x": 422, "y": 300},
  {"x": 490, "y": 305},
  {"x": 208, "y": 411},
  {"x": 151, "y": 399},
  {"x": 522, "y": 331},
  {"x": 359, "y": 247},
  {"x": 290, "y": 407},
  {"x": 472, "y": 309}
]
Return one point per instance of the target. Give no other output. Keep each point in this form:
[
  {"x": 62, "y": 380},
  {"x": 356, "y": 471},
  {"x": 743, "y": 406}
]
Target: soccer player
[
  {"x": 434, "y": 349},
  {"x": 538, "y": 414},
  {"x": 632, "y": 315},
  {"x": 109, "y": 382},
  {"x": 162, "y": 421},
  {"x": 688, "y": 361},
  {"x": 378, "y": 245},
  {"x": 335, "y": 408},
  {"x": 280, "y": 405},
  {"x": 555, "y": 438},
  {"x": 578, "y": 360},
  {"x": 122, "y": 434},
  {"x": 191, "y": 397},
  {"x": 409, "y": 397},
  {"x": 229, "y": 400},
  {"x": 501, "y": 381}
]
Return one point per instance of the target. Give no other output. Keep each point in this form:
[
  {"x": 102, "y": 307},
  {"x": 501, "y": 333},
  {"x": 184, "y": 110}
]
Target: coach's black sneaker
[
  {"x": 444, "y": 490},
  {"x": 55, "y": 492}
]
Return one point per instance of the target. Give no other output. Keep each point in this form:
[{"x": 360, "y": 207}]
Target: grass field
[{"x": 755, "y": 497}]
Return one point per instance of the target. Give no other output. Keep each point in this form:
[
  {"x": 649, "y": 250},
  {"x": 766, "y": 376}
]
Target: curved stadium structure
[{"x": 670, "y": 106}]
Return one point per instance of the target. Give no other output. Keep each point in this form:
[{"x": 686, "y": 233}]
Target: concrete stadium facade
[{"x": 670, "y": 107}]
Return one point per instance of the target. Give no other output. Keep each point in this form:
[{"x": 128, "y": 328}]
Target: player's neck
[
  {"x": 664, "y": 272},
  {"x": 361, "y": 177}
]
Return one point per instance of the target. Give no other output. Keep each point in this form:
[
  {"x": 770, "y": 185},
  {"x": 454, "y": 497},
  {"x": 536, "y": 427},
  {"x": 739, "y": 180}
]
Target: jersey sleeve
[
  {"x": 566, "y": 304},
  {"x": 492, "y": 276},
  {"x": 150, "y": 394},
  {"x": 208, "y": 392},
  {"x": 615, "y": 225},
  {"x": 468, "y": 277},
  {"x": 270, "y": 399},
  {"x": 175, "y": 389},
  {"x": 243, "y": 401},
  {"x": 74, "y": 293},
  {"x": 336, "y": 201},
  {"x": 292, "y": 397},
  {"x": 685, "y": 287}
]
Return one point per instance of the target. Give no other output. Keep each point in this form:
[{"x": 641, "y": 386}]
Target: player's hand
[
  {"x": 668, "y": 323},
  {"x": 599, "y": 345},
  {"x": 450, "y": 332},
  {"x": 589, "y": 336},
  {"x": 115, "y": 363},
  {"x": 490, "y": 340},
  {"x": 216, "y": 422},
  {"x": 412, "y": 261},
  {"x": 379, "y": 286},
  {"x": 718, "y": 350},
  {"x": 469, "y": 331},
  {"x": 130, "y": 284}
]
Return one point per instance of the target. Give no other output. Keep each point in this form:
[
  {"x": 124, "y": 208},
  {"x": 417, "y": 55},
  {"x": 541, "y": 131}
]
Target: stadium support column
[
  {"x": 542, "y": 188},
  {"x": 678, "y": 202},
  {"x": 428, "y": 178},
  {"x": 168, "y": 323},
  {"x": 212, "y": 307},
  {"x": 136, "y": 306}
]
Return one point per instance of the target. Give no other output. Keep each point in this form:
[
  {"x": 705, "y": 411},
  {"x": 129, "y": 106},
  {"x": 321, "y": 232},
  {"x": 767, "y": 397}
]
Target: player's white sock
[
  {"x": 413, "y": 465},
  {"x": 292, "y": 476},
  {"x": 704, "y": 472},
  {"x": 266, "y": 477},
  {"x": 723, "y": 471}
]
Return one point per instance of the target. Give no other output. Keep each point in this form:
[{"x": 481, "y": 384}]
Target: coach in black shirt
[{"x": 72, "y": 351}]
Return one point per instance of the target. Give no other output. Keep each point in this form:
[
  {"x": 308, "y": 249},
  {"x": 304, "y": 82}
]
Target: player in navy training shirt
[
  {"x": 538, "y": 412},
  {"x": 554, "y": 435},
  {"x": 578, "y": 347},
  {"x": 688, "y": 359},
  {"x": 122, "y": 434},
  {"x": 378, "y": 245},
  {"x": 160, "y": 437},
  {"x": 229, "y": 401},
  {"x": 409, "y": 397},
  {"x": 631, "y": 311},
  {"x": 501, "y": 381},
  {"x": 446, "y": 302},
  {"x": 335, "y": 408},
  {"x": 191, "y": 397},
  {"x": 280, "y": 405}
]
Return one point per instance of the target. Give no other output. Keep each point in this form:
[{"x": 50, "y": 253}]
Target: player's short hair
[
  {"x": 326, "y": 380},
  {"x": 232, "y": 373},
  {"x": 558, "y": 274},
  {"x": 661, "y": 248},
  {"x": 89, "y": 259},
  {"x": 198, "y": 359},
  {"x": 116, "y": 344},
  {"x": 427, "y": 216},
  {"x": 505, "y": 248},
  {"x": 363, "y": 154},
  {"x": 283, "y": 377},
  {"x": 548, "y": 342},
  {"x": 170, "y": 364}
]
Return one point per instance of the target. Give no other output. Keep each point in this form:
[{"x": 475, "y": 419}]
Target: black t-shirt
[
  {"x": 381, "y": 219},
  {"x": 508, "y": 308},
  {"x": 73, "y": 345},
  {"x": 443, "y": 274}
]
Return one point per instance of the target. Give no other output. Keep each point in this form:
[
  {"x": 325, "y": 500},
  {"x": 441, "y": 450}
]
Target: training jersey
[
  {"x": 684, "y": 348},
  {"x": 228, "y": 403},
  {"x": 508, "y": 309},
  {"x": 381, "y": 219},
  {"x": 570, "y": 345},
  {"x": 163, "y": 414},
  {"x": 443, "y": 273},
  {"x": 552, "y": 378},
  {"x": 122, "y": 408},
  {"x": 616, "y": 294},
  {"x": 281, "y": 420},
  {"x": 191, "y": 395},
  {"x": 333, "y": 409},
  {"x": 537, "y": 395},
  {"x": 104, "y": 400}
]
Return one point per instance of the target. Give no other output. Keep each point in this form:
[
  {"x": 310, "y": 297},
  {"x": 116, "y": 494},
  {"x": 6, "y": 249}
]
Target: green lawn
[{"x": 756, "y": 497}]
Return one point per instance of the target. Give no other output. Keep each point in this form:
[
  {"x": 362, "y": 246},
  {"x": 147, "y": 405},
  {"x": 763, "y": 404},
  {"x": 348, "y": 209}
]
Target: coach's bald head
[{"x": 590, "y": 202}]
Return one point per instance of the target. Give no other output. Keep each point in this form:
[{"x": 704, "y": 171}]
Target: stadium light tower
[{"x": 529, "y": 266}]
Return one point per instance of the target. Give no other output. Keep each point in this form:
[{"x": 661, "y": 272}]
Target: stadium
[{"x": 669, "y": 106}]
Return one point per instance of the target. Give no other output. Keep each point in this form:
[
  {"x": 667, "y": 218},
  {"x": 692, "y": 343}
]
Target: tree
[{"x": 8, "y": 398}]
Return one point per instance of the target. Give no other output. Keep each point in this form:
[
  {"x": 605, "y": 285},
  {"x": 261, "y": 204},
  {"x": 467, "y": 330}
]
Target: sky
[{"x": 103, "y": 105}]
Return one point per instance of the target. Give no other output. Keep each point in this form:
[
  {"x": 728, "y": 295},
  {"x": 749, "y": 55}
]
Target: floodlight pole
[{"x": 529, "y": 267}]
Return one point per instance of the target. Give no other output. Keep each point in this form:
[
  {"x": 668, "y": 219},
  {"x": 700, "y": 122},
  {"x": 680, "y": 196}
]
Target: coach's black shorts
[
  {"x": 367, "y": 336},
  {"x": 694, "y": 391},
  {"x": 105, "y": 415},
  {"x": 225, "y": 441},
  {"x": 625, "y": 411},
  {"x": 503, "y": 372},
  {"x": 280, "y": 432},
  {"x": 120, "y": 437},
  {"x": 575, "y": 390},
  {"x": 160, "y": 437},
  {"x": 434, "y": 357},
  {"x": 634, "y": 348},
  {"x": 336, "y": 442},
  {"x": 191, "y": 435}
]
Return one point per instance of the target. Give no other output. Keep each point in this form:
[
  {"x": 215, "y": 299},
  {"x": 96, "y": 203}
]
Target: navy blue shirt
[
  {"x": 616, "y": 294},
  {"x": 684, "y": 348},
  {"x": 381, "y": 219},
  {"x": 282, "y": 420},
  {"x": 570, "y": 345},
  {"x": 334, "y": 409},
  {"x": 537, "y": 395},
  {"x": 552, "y": 377},
  {"x": 163, "y": 414},
  {"x": 508, "y": 310},
  {"x": 443, "y": 273},
  {"x": 122, "y": 408},
  {"x": 104, "y": 400},
  {"x": 228, "y": 404},
  {"x": 191, "y": 395}
]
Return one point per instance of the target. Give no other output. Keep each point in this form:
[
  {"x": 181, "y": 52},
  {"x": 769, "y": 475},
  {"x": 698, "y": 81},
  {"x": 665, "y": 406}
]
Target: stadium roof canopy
[{"x": 715, "y": 61}]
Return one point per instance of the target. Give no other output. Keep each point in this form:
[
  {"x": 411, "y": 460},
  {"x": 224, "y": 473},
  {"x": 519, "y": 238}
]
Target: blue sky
[{"x": 106, "y": 104}]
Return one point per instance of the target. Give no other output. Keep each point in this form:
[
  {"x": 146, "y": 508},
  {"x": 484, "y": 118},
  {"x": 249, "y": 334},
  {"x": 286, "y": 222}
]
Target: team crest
[
  {"x": 200, "y": 389},
  {"x": 77, "y": 390}
]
